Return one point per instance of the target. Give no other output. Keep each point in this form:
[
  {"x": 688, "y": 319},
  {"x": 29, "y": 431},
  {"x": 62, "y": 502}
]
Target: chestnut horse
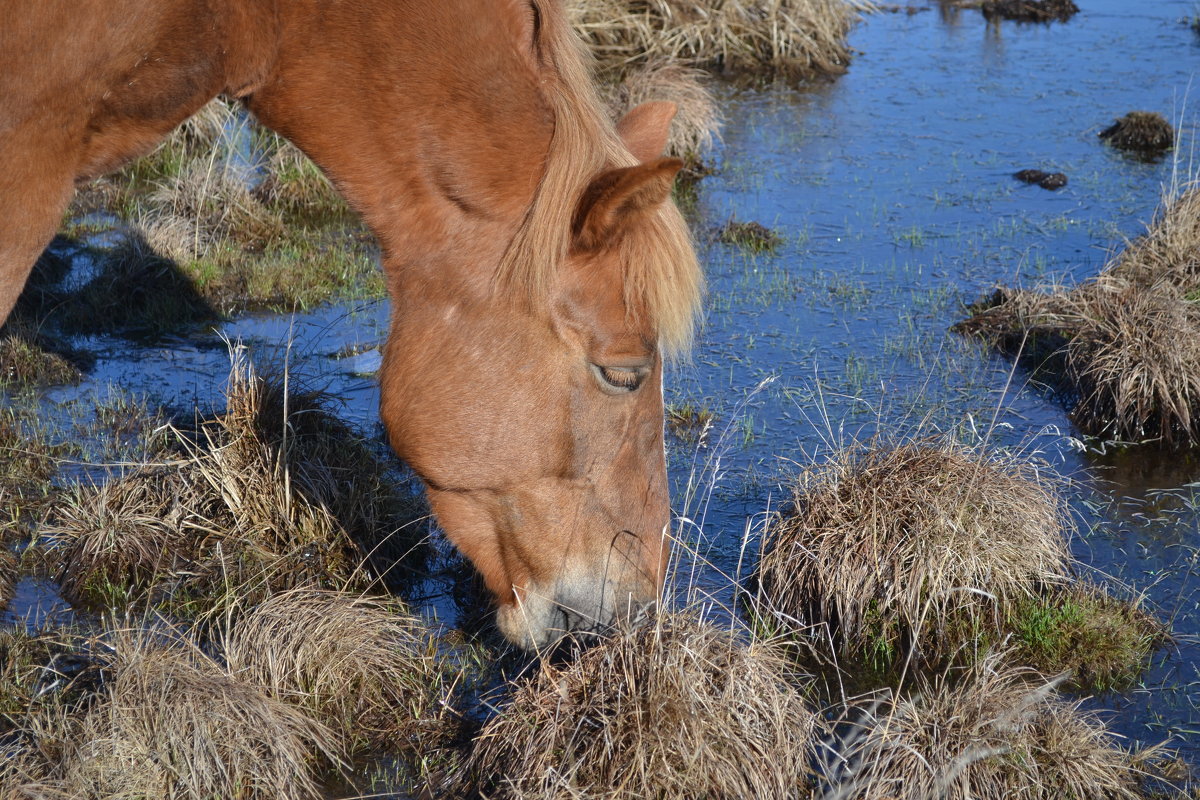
[{"x": 538, "y": 271}]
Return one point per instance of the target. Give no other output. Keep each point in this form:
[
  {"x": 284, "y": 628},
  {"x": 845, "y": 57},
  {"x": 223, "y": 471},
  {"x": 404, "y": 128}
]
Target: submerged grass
[
  {"x": 679, "y": 708},
  {"x": 273, "y": 493},
  {"x": 994, "y": 732},
  {"x": 933, "y": 553},
  {"x": 1124, "y": 347}
]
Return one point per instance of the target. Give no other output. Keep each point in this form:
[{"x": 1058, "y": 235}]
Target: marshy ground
[{"x": 216, "y": 550}]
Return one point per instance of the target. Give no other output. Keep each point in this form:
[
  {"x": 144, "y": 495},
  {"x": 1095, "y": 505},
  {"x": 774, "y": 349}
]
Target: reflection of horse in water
[{"x": 538, "y": 271}]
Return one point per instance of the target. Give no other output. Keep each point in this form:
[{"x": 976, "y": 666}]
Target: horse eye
[{"x": 618, "y": 380}]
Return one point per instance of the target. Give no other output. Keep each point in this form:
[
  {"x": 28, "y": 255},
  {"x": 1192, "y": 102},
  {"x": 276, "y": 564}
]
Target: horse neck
[{"x": 428, "y": 117}]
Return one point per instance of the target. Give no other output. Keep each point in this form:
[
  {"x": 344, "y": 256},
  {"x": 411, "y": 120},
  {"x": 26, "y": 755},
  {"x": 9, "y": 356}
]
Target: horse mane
[{"x": 662, "y": 274}]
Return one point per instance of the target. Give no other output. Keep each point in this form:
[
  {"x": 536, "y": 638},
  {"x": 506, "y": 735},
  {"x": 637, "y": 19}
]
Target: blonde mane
[{"x": 662, "y": 274}]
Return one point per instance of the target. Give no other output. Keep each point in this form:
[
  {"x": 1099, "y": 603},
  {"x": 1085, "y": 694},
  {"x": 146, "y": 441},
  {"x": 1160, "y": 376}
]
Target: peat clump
[
  {"x": 933, "y": 553},
  {"x": 1143, "y": 133},
  {"x": 1046, "y": 180},
  {"x": 1123, "y": 348},
  {"x": 1030, "y": 10}
]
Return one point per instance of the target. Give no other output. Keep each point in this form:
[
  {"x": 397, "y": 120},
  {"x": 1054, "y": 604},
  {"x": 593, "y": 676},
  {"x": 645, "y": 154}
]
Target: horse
[{"x": 538, "y": 271}]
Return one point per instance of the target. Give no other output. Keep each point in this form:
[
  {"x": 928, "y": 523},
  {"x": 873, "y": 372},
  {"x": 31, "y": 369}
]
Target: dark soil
[
  {"x": 1145, "y": 133},
  {"x": 1030, "y": 10}
]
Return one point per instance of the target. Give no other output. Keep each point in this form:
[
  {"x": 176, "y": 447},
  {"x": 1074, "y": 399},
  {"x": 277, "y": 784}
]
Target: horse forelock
[{"x": 662, "y": 276}]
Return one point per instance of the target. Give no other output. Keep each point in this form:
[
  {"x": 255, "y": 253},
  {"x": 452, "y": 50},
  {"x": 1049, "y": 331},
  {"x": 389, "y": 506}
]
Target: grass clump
[
  {"x": 678, "y": 708},
  {"x": 272, "y": 494},
  {"x": 697, "y": 122},
  {"x": 1102, "y": 642},
  {"x": 1145, "y": 133},
  {"x": 1030, "y": 10},
  {"x": 796, "y": 38},
  {"x": 993, "y": 732},
  {"x": 223, "y": 217},
  {"x": 42, "y": 673},
  {"x": 753, "y": 237},
  {"x": 170, "y": 722},
  {"x": 366, "y": 668},
  {"x": 27, "y": 360},
  {"x": 28, "y": 462},
  {"x": 8, "y": 576},
  {"x": 689, "y": 421},
  {"x": 935, "y": 552},
  {"x": 897, "y": 541},
  {"x": 1123, "y": 347}
]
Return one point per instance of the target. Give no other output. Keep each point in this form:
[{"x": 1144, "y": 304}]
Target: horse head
[{"x": 538, "y": 427}]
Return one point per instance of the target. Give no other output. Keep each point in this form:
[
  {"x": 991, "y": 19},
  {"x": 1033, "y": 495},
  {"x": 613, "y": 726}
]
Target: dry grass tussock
[
  {"x": 790, "y": 37},
  {"x": 366, "y": 668},
  {"x": 170, "y": 722},
  {"x": 1125, "y": 345},
  {"x": 678, "y": 708},
  {"x": 697, "y": 122},
  {"x": 272, "y": 494},
  {"x": 919, "y": 545},
  {"x": 995, "y": 732}
]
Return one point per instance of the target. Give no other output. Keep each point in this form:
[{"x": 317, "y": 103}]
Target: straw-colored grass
[
  {"x": 8, "y": 576},
  {"x": 42, "y": 672},
  {"x": 911, "y": 548},
  {"x": 1125, "y": 345},
  {"x": 170, "y": 722},
  {"x": 994, "y": 733},
  {"x": 697, "y": 122},
  {"x": 679, "y": 708},
  {"x": 790, "y": 37},
  {"x": 273, "y": 493},
  {"x": 366, "y": 668},
  {"x": 29, "y": 458}
]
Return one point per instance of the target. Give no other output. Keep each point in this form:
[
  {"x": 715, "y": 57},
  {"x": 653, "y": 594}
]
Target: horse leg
[{"x": 37, "y": 182}]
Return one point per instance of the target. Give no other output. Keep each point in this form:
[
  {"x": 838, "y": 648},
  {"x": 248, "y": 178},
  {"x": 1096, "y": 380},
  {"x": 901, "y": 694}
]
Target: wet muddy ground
[{"x": 892, "y": 195}]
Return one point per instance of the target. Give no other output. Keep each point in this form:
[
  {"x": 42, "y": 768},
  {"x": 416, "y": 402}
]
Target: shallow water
[{"x": 892, "y": 188}]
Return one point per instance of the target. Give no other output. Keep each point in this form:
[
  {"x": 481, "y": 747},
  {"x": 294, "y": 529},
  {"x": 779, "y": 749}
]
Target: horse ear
[
  {"x": 616, "y": 196},
  {"x": 645, "y": 128}
]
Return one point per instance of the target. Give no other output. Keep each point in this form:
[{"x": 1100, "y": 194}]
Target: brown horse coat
[{"x": 537, "y": 270}]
